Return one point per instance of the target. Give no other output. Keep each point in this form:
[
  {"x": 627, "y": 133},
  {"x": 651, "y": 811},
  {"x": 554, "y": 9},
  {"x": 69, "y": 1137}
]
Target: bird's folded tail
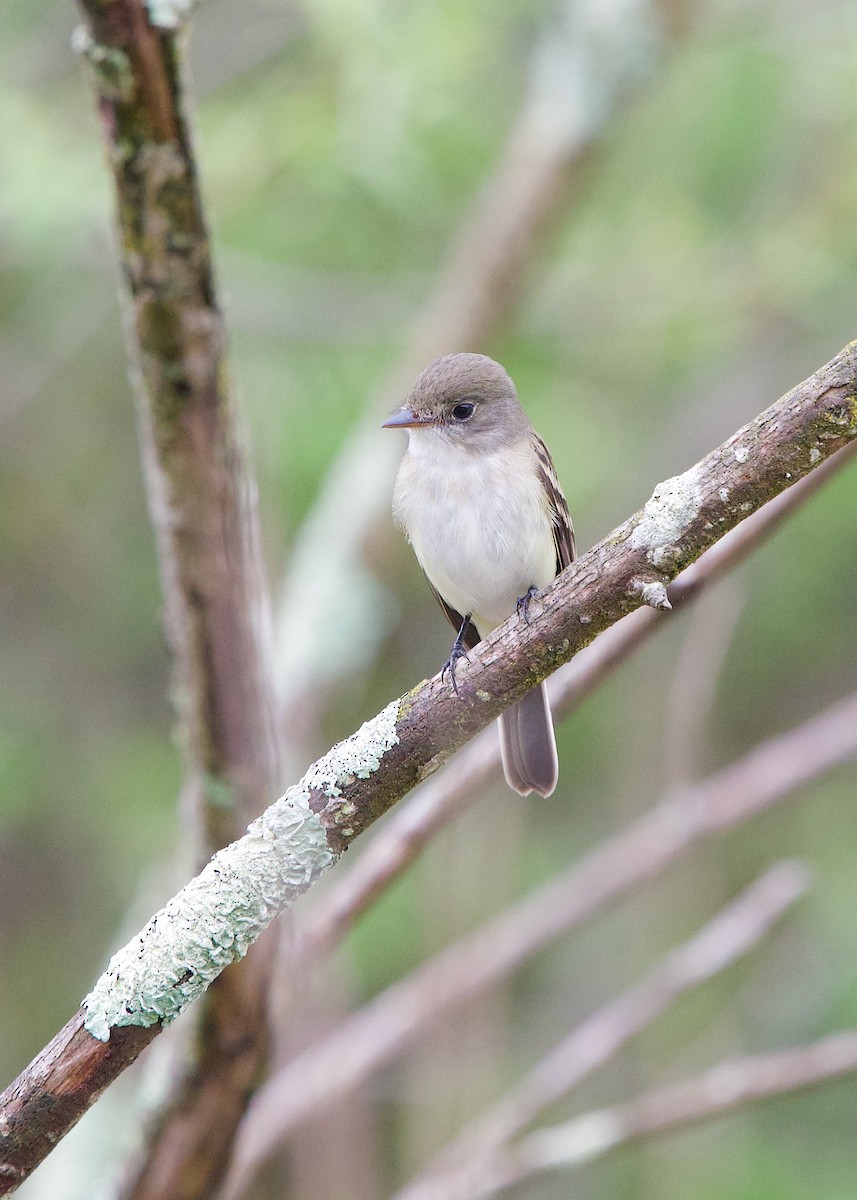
[{"x": 528, "y": 745}]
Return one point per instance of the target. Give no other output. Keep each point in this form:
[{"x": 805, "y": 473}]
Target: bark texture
[
  {"x": 202, "y": 499},
  {"x": 57, "y": 1088},
  {"x": 201, "y": 493}
]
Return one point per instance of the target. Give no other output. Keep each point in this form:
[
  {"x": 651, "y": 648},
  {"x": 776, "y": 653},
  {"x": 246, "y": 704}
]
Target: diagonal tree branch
[
  {"x": 373, "y": 1035},
  {"x": 464, "y": 1168},
  {"x": 412, "y": 825},
  {"x": 724, "y": 1089},
  {"x": 630, "y": 567},
  {"x": 218, "y": 915}
]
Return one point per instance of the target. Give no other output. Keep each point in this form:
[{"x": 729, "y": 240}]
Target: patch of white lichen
[
  {"x": 216, "y": 917},
  {"x": 357, "y": 757},
  {"x": 674, "y": 506}
]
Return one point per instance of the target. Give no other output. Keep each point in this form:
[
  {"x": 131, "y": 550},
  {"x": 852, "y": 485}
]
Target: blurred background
[{"x": 698, "y": 261}]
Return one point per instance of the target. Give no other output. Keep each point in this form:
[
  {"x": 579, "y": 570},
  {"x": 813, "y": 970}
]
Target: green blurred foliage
[{"x": 704, "y": 262}]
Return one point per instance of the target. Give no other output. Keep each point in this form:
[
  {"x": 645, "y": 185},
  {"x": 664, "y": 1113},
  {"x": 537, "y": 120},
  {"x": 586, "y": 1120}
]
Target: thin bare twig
[
  {"x": 727, "y": 1088},
  {"x": 379, "y": 1031},
  {"x": 461, "y": 1169}
]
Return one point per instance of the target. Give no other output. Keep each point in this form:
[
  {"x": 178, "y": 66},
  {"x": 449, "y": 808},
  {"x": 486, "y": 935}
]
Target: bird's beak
[{"x": 406, "y": 418}]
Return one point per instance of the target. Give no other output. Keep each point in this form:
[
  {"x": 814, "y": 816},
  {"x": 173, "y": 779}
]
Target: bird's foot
[
  {"x": 523, "y": 603},
  {"x": 457, "y": 652}
]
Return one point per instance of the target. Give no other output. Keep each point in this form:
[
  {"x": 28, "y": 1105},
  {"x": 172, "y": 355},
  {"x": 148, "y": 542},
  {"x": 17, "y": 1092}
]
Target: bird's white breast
[{"x": 478, "y": 523}]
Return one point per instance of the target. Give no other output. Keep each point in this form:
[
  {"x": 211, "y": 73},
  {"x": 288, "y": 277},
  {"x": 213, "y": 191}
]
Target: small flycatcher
[{"x": 479, "y": 501}]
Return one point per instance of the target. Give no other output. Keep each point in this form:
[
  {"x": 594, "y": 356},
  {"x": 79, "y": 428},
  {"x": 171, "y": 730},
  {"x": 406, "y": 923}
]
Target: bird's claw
[
  {"x": 456, "y": 653},
  {"x": 523, "y": 603}
]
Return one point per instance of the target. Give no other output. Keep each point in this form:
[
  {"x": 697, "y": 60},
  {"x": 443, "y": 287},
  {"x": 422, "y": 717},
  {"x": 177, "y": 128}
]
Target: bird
[{"x": 478, "y": 499}]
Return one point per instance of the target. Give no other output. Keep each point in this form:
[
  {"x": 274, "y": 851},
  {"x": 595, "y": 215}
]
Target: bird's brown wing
[
  {"x": 456, "y": 619},
  {"x": 563, "y": 532}
]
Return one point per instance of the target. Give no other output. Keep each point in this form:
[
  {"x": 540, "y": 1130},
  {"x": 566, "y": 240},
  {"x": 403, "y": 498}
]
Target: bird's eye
[{"x": 463, "y": 411}]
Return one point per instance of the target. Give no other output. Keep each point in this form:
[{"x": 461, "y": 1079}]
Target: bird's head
[{"x": 467, "y": 399}]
